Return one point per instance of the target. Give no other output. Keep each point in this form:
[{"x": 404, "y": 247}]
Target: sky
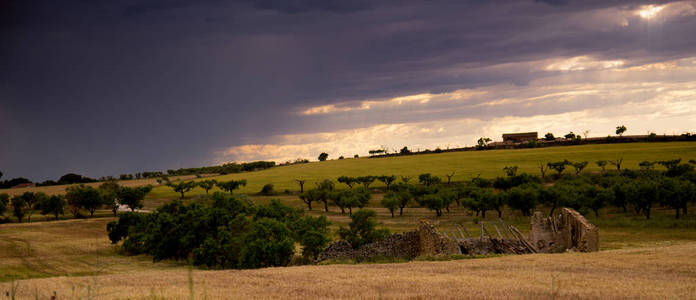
[{"x": 109, "y": 87}]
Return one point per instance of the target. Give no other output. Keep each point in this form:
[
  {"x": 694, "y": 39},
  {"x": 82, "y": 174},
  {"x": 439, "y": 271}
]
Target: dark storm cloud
[{"x": 100, "y": 87}]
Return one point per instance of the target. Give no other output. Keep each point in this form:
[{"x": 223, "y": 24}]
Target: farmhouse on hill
[{"x": 520, "y": 137}]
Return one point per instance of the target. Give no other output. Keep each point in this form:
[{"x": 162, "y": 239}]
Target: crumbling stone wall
[
  {"x": 433, "y": 243},
  {"x": 568, "y": 230},
  {"x": 424, "y": 241}
]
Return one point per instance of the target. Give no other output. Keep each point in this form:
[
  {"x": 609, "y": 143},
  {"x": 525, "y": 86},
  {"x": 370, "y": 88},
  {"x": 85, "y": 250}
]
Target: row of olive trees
[
  {"x": 673, "y": 188},
  {"x": 78, "y": 198},
  {"x": 182, "y": 187}
]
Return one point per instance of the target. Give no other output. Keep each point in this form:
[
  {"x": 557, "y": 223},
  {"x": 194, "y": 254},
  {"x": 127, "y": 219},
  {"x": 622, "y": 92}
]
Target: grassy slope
[
  {"x": 80, "y": 247},
  {"x": 465, "y": 165}
]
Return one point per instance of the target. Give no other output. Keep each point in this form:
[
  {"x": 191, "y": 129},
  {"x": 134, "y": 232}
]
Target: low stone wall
[{"x": 424, "y": 241}]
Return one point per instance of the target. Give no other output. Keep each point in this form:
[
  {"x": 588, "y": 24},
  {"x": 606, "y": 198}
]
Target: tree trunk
[
  {"x": 392, "y": 212},
  {"x": 500, "y": 213},
  {"x": 684, "y": 209},
  {"x": 483, "y": 213},
  {"x": 326, "y": 206},
  {"x": 401, "y": 211},
  {"x": 677, "y": 213},
  {"x": 309, "y": 205},
  {"x": 350, "y": 211}
]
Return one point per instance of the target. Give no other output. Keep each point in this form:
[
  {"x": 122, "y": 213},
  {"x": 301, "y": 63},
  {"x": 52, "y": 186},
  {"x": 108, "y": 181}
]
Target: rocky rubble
[{"x": 568, "y": 230}]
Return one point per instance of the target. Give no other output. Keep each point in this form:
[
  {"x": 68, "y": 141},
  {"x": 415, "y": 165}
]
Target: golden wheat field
[{"x": 666, "y": 272}]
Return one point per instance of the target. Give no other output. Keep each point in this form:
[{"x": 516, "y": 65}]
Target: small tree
[
  {"x": 301, "y": 182},
  {"x": 32, "y": 201},
  {"x": 404, "y": 151},
  {"x": 391, "y": 202},
  {"x": 366, "y": 181},
  {"x": 510, "y": 170},
  {"x": 4, "y": 201},
  {"x": 310, "y": 196},
  {"x": 19, "y": 207},
  {"x": 109, "y": 195},
  {"x": 230, "y": 186},
  {"x": 570, "y": 135},
  {"x": 182, "y": 187},
  {"x": 482, "y": 142},
  {"x": 598, "y": 198},
  {"x": 543, "y": 168},
  {"x": 326, "y": 187},
  {"x": 428, "y": 180},
  {"x": 602, "y": 164},
  {"x": 133, "y": 197},
  {"x": 349, "y": 181},
  {"x": 434, "y": 202},
  {"x": 387, "y": 180},
  {"x": 558, "y": 166},
  {"x": 82, "y": 196},
  {"x": 53, "y": 205},
  {"x": 362, "y": 229},
  {"x": 579, "y": 166},
  {"x": 323, "y": 156},
  {"x": 207, "y": 185},
  {"x": 267, "y": 190},
  {"x": 313, "y": 234},
  {"x": 522, "y": 198},
  {"x": 549, "y": 136},
  {"x": 617, "y": 163},
  {"x": 620, "y": 130}
]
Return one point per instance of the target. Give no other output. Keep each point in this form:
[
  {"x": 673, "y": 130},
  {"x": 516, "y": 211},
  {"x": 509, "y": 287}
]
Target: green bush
[
  {"x": 362, "y": 229},
  {"x": 231, "y": 232}
]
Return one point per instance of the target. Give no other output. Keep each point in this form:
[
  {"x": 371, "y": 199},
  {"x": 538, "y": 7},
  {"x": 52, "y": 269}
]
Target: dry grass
[
  {"x": 665, "y": 272},
  {"x": 57, "y": 248}
]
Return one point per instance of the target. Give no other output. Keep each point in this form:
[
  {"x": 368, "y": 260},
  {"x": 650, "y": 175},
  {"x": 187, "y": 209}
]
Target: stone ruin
[{"x": 568, "y": 231}]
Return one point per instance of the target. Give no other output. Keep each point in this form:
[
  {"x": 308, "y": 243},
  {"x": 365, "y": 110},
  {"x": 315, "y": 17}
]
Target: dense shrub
[
  {"x": 230, "y": 232},
  {"x": 362, "y": 229},
  {"x": 267, "y": 190}
]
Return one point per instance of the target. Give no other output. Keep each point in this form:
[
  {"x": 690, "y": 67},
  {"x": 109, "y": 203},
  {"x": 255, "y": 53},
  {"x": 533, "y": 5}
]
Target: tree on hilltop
[{"x": 620, "y": 130}]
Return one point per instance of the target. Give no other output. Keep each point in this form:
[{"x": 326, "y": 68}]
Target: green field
[
  {"x": 74, "y": 256},
  {"x": 465, "y": 165}
]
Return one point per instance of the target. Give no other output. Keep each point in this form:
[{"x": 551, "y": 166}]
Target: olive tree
[
  {"x": 82, "y": 196},
  {"x": 182, "y": 187},
  {"x": 230, "y": 186},
  {"x": 133, "y": 197},
  {"x": 109, "y": 194},
  {"x": 4, "y": 201},
  {"x": 207, "y": 185},
  {"x": 54, "y": 205}
]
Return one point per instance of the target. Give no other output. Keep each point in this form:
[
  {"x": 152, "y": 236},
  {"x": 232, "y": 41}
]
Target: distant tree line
[
  {"x": 77, "y": 200},
  {"x": 228, "y": 168}
]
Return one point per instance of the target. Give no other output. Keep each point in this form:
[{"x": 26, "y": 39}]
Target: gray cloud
[{"x": 100, "y": 88}]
